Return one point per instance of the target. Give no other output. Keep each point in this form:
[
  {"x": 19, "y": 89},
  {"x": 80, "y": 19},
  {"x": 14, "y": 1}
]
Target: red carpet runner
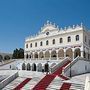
[
  {"x": 44, "y": 83},
  {"x": 59, "y": 70},
  {"x": 63, "y": 77},
  {"x": 22, "y": 84},
  {"x": 65, "y": 86}
]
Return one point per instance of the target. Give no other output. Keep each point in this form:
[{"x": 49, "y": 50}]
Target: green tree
[
  {"x": 21, "y": 53},
  {"x": 18, "y": 53}
]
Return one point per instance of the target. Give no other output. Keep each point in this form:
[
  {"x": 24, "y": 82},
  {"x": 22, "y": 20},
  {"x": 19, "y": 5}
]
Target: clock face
[{"x": 47, "y": 33}]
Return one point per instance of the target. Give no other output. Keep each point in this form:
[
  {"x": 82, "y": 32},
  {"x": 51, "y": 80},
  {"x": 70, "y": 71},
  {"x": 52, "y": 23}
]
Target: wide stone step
[
  {"x": 14, "y": 83},
  {"x": 77, "y": 87}
]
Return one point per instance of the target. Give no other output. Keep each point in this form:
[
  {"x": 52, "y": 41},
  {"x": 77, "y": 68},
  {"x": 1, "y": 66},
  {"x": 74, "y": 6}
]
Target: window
[
  {"x": 61, "y": 40},
  {"x": 53, "y": 41},
  {"x": 47, "y": 42},
  {"x": 77, "y": 37},
  {"x": 41, "y": 43},
  {"x": 85, "y": 39},
  {"x": 69, "y": 39},
  {"x": 31, "y": 45},
  {"x": 47, "y": 33},
  {"x": 36, "y": 44},
  {"x": 26, "y": 45}
]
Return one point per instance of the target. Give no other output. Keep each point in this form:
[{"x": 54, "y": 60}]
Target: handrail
[
  {"x": 71, "y": 64},
  {"x": 8, "y": 80},
  {"x": 59, "y": 64}
]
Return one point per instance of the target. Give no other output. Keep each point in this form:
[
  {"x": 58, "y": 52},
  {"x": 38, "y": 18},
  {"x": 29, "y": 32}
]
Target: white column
[
  {"x": 64, "y": 53},
  {"x": 73, "y": 50},
  {"x": 38, "y": 55},
  {"x": 82, "y": 53},
  {"x": 25, "y": 56},
  {"x": 50, "y": 55},
  {"x": 57, "y": 54},
  {"x": 44, "y": 55}
]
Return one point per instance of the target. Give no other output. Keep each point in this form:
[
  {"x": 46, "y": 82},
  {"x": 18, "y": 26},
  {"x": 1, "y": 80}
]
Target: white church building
[
  {"x": 54, "y": 43},
  {"x": 55, "y": 58}
]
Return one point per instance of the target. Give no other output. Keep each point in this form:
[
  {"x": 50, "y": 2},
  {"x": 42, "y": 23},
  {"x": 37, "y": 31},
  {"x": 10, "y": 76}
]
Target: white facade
[{"x": 54, "y": 43}]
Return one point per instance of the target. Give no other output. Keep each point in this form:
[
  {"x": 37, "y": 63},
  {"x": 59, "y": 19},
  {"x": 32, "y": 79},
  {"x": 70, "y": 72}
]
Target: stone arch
[
  {"x": 33, "y": 67},
  {"x": 53, "y": 53},
  {"x": 6, "y": 57},
  {"x": 31, "y": 55},
  {"x": 23, "y": 66},
  {"x": 47, "y": 55},
  {"x": 26, "y": 56},
  {"x": 41, "y": 55},
  {"x": 46, "y": 67},
  {"x": 35, "y": 55},
  {"x": 28, "y": 67},
  {"x": 69, "y": 53},
  {"x": 61, "y": 53},
  {"x": 77, "y": 52},
  {"x": 1, "y": 58},
  {"x": 39, "y": 67}
]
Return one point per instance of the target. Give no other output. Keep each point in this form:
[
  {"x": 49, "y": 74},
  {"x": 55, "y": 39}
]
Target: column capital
[
  {"x": 43, "y": 52},
  {"x": 56, "y": 51},
  {"x": 50, "y": 51},
  {"x": 64, "y": 50},
  {"x": 73, "y": 49}
]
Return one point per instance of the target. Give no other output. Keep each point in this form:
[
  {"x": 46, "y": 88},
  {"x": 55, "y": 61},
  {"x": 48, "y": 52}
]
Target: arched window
[
  {"x": 26, "y": 45},
  {"x": 31, "y": 45},
  {"x": 47, "y": 42},
  {"x": 53, "y": 41},
  {"x": 77, "y": 37},
  {"x": 41, "y": 43},
  {"x": 61, "y": 40},
  {"x": 69, "y": 39},
  {"x": 36, "y": 44}
]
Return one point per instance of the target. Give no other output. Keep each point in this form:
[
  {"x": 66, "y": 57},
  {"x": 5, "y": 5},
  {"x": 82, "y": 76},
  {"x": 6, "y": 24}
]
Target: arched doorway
[
  {"x": 69, "y": 53},
  {"x": 77, "y": 52},
  {"x": 46, "y": 67},
  {"x": 28, "y": 67},
  {"x": 61, "y": 53},
  {"x": 23, "y": 66},
  {"x": 53, "y": 54},
  {"x": 47, "y": 55},
  {"x": 39, "y": 67},
  {"x": 33, "y": 67},
  {"x": 41, "y": 55},
  {"x": 36, "y": 55}
]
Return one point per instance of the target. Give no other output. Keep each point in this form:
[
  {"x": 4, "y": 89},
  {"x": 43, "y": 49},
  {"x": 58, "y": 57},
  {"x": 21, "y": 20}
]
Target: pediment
[{"x": 48, "y": 27}]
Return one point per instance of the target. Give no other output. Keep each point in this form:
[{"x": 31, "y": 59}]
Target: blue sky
[{"x": 22, "y": 18}]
